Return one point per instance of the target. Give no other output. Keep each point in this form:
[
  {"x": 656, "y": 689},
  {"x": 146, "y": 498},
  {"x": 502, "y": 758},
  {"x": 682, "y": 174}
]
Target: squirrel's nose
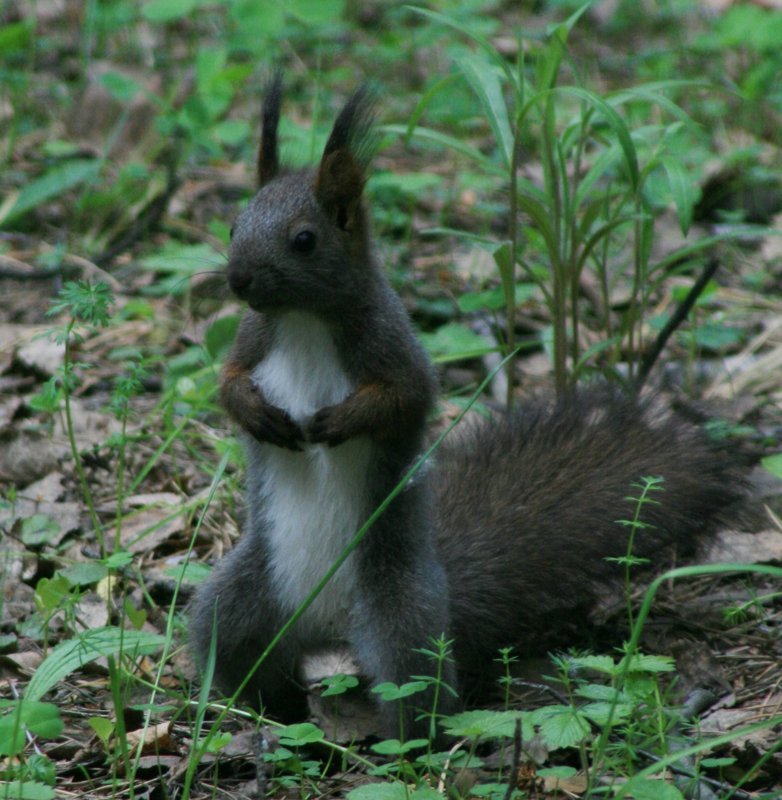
[{"x": 238, "y": 280}]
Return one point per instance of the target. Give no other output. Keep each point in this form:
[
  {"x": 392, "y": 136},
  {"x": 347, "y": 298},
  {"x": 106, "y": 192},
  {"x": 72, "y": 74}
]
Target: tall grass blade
[
  {"x": 684, "y": 192},
  {"x": 53, "y": 183},
  {"x": 485, "y": 82},
  {"x": 68, "y": 656}
]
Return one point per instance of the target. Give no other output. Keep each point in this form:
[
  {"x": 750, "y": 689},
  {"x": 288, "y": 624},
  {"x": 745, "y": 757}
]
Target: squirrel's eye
[
  {"x": 304, "y": 241},
  {"x": 231, "y": 232}
]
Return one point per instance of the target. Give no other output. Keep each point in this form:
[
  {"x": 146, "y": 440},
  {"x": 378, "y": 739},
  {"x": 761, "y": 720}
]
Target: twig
[
  {"x": 514, "y": 767},
  {"x": 147, "y": 219},
  {"x": 650, "y": 357}
]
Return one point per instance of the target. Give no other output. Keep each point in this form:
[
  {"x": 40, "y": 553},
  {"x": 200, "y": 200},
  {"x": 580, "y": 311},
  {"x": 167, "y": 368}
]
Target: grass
[{"x": 567, "y": 175}]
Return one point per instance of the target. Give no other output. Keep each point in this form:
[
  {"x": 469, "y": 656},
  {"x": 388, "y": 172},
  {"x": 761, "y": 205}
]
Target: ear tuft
[
  {"x": 353, "y": 127},
  {"x": 268, "y": 160},
  {"x": 340, "y": 178}
]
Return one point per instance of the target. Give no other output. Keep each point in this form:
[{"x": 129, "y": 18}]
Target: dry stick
[
  {"x": 514, "y": 768},
  {"x": 649, "y": 358},
  {"x": 148, "y": 219}
]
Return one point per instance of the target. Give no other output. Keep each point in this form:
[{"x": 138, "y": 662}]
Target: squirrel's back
[{"x": 529, "y": 507}]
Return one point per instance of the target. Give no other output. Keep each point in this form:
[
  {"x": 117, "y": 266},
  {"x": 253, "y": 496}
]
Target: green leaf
[
  {"x": 52, "y": 593},
  {"x": 390, "y": 691},
  {"x": 598, "y": 691},
  {"x": 193, "y": 573},
  {"x": 84, "y": 573},
  {"x": 167, "y": 10},
  {"x": 70, "y": 655},
  {"x": 493, "y": 299},
  {"x": 455, "y": 341},
  {"x": 683, "y": 189},
  {"x": 392, "y": 791},
  {"x": 488, "y": 724},
  {"x": 616, "y": 123},
  {"x": 178, "y": 258},
  {"x": 12, "y": 735},
  {"x": 393, "y": 747},
  {"x": 136, "y": 616},
  {"x": 646, "y": 789},
  {"x": 562, "y": 772},
  {"x": 217, "y": 741},
  {"x": 41, "y": 769},
  {"x": 120, "y": 87},
  {"x": 563, "y": 29},
  {"x": 641, "y": 662},
  {"x": 714, "y": 763},
  {"x": 338, "y": 684},
  {"x": 408, "y": 183},
  {"x": 209, "y": 66},
  {"x": 300, "y": 734},
  {"x": 485, "y": 82},
  {"x": 119, "y": 559},
  {"x": 179, "y": 262},
  {"x": 560, "y": 725},
  {"x": 715, "y": 336},
  {"x": 39, "y": 529},
  {"x": 51, "y": 184},
  {"x": 104, "y": 728},
  {"x": 773, "y": 464},
  {"x": 220, "y": 335},
  {"x": 601, "y": 713},
  {"x": 316, "y": 12},
  {"x": 257, "y": 22},
  {"x": 16, "y": 36},
  {"x": 26, "y": 790},
  {"x": 379, "y": 791},
  {"x": 449, "y": 142},
  {"x": 232, "y": 131},
  {"x": 41, "y": 719}
]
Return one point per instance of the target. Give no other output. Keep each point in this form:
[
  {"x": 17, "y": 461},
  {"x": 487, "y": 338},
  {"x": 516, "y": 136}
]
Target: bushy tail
[{"x": 529, "y": 506}]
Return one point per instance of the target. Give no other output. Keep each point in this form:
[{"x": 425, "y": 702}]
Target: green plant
[
  {"x": 85, "y": 306},
  {"x": 599, "y": 195},
  {"x": 636, "y": 526}
]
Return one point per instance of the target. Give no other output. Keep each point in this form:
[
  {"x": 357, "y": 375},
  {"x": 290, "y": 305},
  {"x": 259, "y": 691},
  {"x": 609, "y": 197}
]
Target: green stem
[
  {"x": 120, "y": 482},
  {"x": 74, "y": 448}
]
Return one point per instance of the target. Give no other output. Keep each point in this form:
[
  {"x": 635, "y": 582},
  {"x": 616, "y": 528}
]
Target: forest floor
[{"x": 164, "y": 470}]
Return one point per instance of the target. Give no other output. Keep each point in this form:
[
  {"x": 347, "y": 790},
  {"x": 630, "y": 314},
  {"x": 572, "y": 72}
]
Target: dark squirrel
[{"x": 504, "y": 537}]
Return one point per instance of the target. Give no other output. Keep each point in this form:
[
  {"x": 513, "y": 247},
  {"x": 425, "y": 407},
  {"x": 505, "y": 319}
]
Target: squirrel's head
[{"x": 302, "y": 242}]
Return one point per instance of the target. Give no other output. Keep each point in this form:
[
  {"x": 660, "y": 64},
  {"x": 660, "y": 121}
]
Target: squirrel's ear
[
  {"x": 338, "y": 187},
  {"x": 340, "y": 179},
  {"x": 268, "y": 161}
]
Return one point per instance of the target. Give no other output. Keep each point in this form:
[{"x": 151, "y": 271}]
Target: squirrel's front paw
[
  {"x": 325, "y": 427},
  {"x": 275, "y": 426}
]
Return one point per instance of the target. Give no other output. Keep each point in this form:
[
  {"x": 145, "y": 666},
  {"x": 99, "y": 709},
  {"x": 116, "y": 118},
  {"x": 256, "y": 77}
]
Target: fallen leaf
[
  {"x": 155, "y": 738},
  {"x": 8, "y": 408},
  {"x": 42, "y": 355},
  {"x": 26, "y": 456},
  {"x": 146, "y": 529},
  {"x": 746, "y": 548}
]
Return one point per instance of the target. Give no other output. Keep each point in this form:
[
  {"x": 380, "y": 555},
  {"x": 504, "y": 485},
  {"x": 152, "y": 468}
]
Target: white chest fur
[{"x": 314, "y": 500}]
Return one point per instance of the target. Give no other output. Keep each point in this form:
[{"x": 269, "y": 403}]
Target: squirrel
[{"x": 507, "y": 535}]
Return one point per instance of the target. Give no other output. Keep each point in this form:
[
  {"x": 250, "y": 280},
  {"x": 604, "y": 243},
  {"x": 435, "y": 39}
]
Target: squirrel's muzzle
[{"x": 239, "y": 280}]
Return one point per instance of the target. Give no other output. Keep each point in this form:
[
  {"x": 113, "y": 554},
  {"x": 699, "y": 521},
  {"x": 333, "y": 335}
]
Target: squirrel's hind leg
[{"x": 236, "y": 606}]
